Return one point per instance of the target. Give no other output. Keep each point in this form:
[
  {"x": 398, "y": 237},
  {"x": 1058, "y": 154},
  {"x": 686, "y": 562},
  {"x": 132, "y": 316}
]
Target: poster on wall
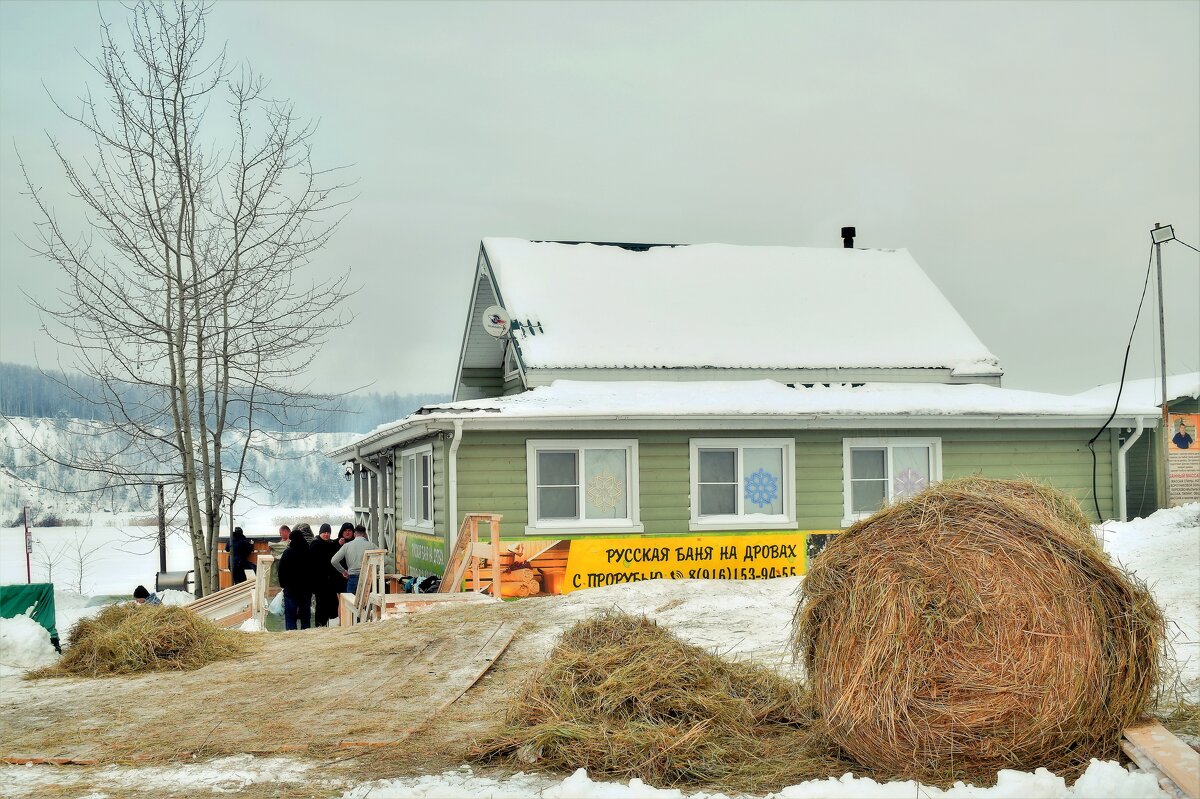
[
  {"x": 1183, "y": 459},
  {"x": 539, "y": 566}
]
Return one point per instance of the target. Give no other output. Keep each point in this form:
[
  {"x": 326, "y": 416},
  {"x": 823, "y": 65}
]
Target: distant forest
[{"x": 27, "y": 391}]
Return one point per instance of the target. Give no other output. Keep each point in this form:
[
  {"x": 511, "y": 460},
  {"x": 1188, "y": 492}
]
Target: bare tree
[
  {"x": 47, "y": 558},
  {"x": 80, "y": 557},
  {"x": 187, "y": 280}
]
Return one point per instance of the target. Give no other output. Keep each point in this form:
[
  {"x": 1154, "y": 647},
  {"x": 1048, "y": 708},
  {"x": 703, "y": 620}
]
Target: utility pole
[
  {"x": 28, "y": 548},
  {"x": 1160, "y": 235}
]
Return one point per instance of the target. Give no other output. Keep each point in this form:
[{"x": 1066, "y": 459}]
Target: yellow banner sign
[{"x": 597, "y": 562}]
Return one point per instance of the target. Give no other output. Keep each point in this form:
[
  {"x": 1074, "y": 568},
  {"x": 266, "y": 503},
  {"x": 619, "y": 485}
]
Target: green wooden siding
[
  {"x": 486, "y": 382},
  {"x": 1141, "y": 479},
  {"x": 492, "y": 469}
]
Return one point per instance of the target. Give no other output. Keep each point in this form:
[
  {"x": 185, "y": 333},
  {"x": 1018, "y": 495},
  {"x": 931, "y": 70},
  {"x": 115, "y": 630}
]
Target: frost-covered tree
[{"x": 186, "y": 304}]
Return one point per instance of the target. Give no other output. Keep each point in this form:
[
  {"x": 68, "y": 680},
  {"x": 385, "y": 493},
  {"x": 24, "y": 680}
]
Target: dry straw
[
  {"x": 625, "y": 698},
  {"x": 130, "y": 639},
  {"x": 975, "y": 627}
]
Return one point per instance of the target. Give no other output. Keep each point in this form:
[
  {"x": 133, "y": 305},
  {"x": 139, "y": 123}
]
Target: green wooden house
[{"x": 708, "y": 411}]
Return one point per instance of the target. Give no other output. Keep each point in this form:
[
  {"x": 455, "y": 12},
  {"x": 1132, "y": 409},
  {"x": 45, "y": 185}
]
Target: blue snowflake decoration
[{"x": 762, "y": 488}]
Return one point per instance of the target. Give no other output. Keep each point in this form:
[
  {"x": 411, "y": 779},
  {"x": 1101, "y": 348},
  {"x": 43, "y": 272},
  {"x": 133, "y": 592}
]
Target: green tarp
[{"x": 16, "y": 599}]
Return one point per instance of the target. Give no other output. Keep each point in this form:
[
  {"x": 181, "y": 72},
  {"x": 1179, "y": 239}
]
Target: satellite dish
[{"x": 496, "y": 321}]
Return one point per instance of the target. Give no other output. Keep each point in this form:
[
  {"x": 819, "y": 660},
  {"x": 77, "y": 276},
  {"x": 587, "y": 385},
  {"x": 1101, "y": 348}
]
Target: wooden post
[
  {"x": 262, "y": 579},
  {"x": 495, "y": 525},
  {"x": 474, "y": 556}
]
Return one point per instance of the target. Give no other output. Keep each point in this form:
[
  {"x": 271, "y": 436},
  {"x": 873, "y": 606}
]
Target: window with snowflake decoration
[
  {"x": 742, "y": 484},
  {"x": 577, "y": 485},
  {"x": 881, "y": 471}
]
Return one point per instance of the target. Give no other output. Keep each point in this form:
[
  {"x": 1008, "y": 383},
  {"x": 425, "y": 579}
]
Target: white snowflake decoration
[
  {"x": 762, "y": 488},
  {"x": 908, "y": 483},
  {"x": 604, "y": 491}
]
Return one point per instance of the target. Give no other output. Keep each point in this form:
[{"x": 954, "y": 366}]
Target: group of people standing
[{"x": 313, "y": 570}]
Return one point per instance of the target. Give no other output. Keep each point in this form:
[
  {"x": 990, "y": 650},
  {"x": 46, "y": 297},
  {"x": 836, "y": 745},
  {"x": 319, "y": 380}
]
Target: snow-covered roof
[
  {"x": 726, "y": 306},
  {"x": 747, "y": 402},
  {"x": 1148, "y": 391}
]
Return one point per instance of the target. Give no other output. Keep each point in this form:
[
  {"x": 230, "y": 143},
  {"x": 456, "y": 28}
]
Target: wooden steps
[
  {"x": 469, "y": 552},
  {"x": 231, "y": 606},
  {"x": 228, "y": 607}
]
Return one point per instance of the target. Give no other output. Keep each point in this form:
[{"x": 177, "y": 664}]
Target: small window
[
  {"x": 742, "y": 484},
  {"x": 583, "y": 485},
  {"x": 511, "y": 368},
  {"x": 417, "y": 466},
  {"x": 880, "y": 471}
]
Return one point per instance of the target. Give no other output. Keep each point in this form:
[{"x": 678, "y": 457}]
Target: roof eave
[{"x": 491, "y": 420}]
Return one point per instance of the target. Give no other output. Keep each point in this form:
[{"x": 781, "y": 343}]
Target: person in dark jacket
[
  {"x": 326, "y": 580},
  {"x": 295, "y": 578},
  {"x": 240, "y": 549},
  {"x": 305, "y": 530},
  {"x": 345, "y": 536}
]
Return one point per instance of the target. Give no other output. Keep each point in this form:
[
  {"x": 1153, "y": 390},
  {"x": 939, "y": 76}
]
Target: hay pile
[
  {"x": 975, "y": 627},
  {"x": 129, "y": 639},
  {"x": 625, "y": 698}
]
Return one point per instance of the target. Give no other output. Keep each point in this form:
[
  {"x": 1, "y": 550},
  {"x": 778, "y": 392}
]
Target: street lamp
[{"x": 1160, "y": 235}]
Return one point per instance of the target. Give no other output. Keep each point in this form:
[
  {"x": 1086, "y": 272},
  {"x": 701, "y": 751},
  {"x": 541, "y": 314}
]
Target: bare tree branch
[{"x": 187, "y": 280}]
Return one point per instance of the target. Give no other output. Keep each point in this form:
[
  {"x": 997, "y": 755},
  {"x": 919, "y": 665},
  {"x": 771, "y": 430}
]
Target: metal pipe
[
  {"x": 1122, "y": 500},
  {"x": 452, "y": 486}
]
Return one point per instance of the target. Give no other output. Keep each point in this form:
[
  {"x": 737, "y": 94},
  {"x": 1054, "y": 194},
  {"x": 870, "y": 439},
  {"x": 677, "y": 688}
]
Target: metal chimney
[{"x": 848, "y": 237}]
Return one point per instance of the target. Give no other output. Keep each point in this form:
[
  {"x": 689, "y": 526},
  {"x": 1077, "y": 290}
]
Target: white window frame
[
  {"x": 512, "y": 368},
  {"x": 849, "y": 517},
  {"x": 744, "y": 521},
  {"x": 410, "y": 464},
  {"x": 631, "y": 524}
]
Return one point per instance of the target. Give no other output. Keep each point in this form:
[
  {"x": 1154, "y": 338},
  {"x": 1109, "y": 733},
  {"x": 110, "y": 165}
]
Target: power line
[{"x": 1120, "y": 387}]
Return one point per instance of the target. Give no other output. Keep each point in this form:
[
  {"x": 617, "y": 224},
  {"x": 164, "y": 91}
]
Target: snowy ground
[
  {"x": 744, "y": 620},
  {"x": 1164, "y": 550}
]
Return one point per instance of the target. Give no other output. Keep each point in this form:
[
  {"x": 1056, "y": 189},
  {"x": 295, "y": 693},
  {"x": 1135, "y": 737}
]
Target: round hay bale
[
  {"x": 975, "y": 627},
  {"x": 128, "y": 638}
]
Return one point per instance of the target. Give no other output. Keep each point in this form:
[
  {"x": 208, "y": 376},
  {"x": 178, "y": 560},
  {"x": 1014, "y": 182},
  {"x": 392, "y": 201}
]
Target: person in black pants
[
  {"x": 295, "y": 578},
  {"x": 326, "y": 580},
  {"x": 240, "y": 549}
]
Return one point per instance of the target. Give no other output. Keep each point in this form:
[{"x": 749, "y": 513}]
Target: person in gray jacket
[{"x": 350, "y": 556}]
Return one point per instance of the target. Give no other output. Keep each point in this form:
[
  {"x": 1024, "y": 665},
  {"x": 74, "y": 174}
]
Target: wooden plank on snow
[{"x": 1156, "y": 750}]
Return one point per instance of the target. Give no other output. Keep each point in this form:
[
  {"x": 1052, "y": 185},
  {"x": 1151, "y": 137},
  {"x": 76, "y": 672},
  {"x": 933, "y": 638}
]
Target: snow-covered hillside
[{"x": 293, "y": 465}]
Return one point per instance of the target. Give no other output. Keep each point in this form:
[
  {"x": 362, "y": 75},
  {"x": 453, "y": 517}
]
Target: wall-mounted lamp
[
  {"x": 349, "y": 472},
  {"x": 391, "y": 468}
]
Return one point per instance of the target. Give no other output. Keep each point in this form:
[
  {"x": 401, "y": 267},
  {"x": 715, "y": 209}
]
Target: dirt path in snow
[{"x": 413, "y": 680}]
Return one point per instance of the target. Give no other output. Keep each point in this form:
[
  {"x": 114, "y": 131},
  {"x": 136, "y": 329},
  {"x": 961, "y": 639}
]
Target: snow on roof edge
[{"x": 757, "y": 398}]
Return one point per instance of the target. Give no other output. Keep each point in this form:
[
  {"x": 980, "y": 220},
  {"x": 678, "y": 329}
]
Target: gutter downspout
[
  {"x": 1122, "y": 501},
  {"x": 372, "y": 502},
  {"x": 452, "y": 489}
]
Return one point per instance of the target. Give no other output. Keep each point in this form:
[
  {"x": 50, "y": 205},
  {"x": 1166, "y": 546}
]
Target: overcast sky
[{"x": 1020, "y": 151}]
